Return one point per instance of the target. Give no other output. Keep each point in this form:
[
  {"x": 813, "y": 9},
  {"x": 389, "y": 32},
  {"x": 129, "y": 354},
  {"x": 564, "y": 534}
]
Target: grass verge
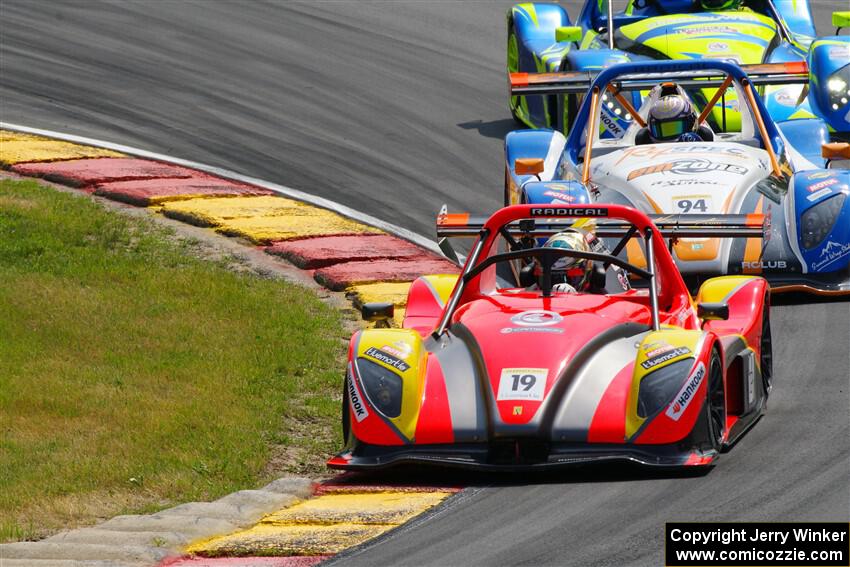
[{"x": 135, "y": 375}]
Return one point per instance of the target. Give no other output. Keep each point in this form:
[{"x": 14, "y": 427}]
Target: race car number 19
[{"x": 522, "y": 384}]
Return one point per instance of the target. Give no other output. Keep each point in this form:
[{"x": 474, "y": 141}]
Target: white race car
[{"x": 790, "y": 181}]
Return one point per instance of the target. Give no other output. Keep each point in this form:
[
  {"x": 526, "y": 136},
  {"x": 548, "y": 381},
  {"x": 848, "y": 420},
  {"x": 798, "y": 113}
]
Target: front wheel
[
  {"x": 715, "y": 403},
  {"x": 346, "y": 415},
  {"x": 766, "y": 347}
]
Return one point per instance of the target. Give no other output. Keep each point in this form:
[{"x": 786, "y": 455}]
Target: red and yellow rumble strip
[
  {"x": 343, "y": 255},
  {"x": 336, "y": 518}
]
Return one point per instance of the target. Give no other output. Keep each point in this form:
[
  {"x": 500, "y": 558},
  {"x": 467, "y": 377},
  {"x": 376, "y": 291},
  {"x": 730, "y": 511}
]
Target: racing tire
[
  {"x": 766, "y": 348},
  {"x": 346, "y": 414},
  {"x": 715, "y": 405},
  {"x": 514, "y": 102}
]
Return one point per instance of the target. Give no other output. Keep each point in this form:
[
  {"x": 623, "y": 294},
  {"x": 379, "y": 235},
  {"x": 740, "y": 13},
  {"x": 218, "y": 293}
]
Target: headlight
[
  {"x": 613, "y": 105},
  {"x": 658, "y": 388},
  {"x": 817, "y": 222},
  {"x": 838, "y": 87},
  {"x": 381, "y": 386},
  {"x": 613, "y": 116}
]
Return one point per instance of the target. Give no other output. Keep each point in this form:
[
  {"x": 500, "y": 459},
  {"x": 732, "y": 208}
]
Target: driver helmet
[
  {"x": 719, "y": 5},
  {"x": 670, "y": 117},
  {"x": 570, "y": 274}
]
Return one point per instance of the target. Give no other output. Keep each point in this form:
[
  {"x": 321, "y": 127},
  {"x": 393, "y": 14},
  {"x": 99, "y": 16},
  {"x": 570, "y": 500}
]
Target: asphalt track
[{"x": 393, "y": 109}]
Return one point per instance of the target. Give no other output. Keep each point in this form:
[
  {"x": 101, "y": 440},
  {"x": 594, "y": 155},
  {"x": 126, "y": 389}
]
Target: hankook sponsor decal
[
  {"x": 357, "y": 405},
  {"x": 522, "y": 384},
  {"x": 386, "y": 358},
  {"x": 665, "y": 356},
  {"x": 686, "y": 393},
  {"x": 688, "y": 166},
  {"x": 569, "y": 212},
  {"x": 610, "y": 123},
  {"x": 536, "y": 318}
]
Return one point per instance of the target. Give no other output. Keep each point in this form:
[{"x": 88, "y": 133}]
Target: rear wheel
[
  {"x": 715, "y": 403},
  {"x": 513, "y": 67}
]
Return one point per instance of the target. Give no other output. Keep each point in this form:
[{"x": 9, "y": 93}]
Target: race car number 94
[
  {"x": 692, "y": 204},
  {"x": 522, "y": 384}
]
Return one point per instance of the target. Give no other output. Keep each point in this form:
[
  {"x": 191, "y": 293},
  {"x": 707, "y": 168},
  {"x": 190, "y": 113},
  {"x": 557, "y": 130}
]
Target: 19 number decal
[
  {"x": 525, "y": 380},
  {"x": 522, "y": 384},
  {"x": 688, "y": 205}
]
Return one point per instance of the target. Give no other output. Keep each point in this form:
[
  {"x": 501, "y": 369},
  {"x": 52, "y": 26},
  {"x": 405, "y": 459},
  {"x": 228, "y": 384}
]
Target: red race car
[{"x": 547, "y": 356}]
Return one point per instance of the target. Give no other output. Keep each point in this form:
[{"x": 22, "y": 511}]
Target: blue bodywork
[
  {"x": 829, "y": 67},
  {"x": 534, "y": 26}
]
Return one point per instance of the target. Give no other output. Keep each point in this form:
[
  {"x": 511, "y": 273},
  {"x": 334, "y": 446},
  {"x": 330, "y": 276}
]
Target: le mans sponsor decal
[
  {"x": 688, "y": 166},
  {"x": 522, "y": 384},
  {"x": 686, "y": 394},
  {"x": 664, "y": 355},
  {"x": 357, "y": 405},
  {"x": 569, "y": 212},
  {"x": 386, "y": 358}
]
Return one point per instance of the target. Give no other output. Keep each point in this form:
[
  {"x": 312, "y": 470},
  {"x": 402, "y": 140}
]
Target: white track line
[{"x": 416, "y": 238}]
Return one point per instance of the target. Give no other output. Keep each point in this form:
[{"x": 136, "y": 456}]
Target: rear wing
[
  {"x": 451, "y": 225},
  {"x": 578, "y": 82},
  {"x": 458, "y": 225}
]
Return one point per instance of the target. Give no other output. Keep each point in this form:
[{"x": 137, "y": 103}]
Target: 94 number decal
[
  {"x": 522, "y": 384},
  {"x": 694, "y": 204}
]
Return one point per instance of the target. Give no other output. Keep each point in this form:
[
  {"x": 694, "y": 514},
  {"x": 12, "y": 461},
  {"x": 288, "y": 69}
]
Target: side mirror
[
  {"x": 713, "y": 311},
  {"x": 574, "y": 33},
  {"x": 528, "y": 166},
  {"x": 378, "y": 313},
  {"x": 839, "y": 20},
  {"x": 835, "y": 150}
]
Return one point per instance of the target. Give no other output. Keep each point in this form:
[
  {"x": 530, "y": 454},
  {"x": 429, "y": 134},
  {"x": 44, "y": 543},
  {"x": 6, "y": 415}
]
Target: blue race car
[
  {"x": 756, "y": 173},
  {"x": 542, "y": 38}
]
